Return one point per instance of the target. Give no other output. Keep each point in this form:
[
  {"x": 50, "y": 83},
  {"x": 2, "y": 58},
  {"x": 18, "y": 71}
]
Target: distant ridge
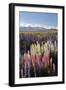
[
  {"x": 32, "y": 28},
  {"x": 35, "y": 27}
]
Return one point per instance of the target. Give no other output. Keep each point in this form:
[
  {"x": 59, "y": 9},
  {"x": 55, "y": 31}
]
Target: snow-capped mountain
[{"x": 34, "y": 27}]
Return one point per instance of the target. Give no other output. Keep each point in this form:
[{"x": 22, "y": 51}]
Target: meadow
[
  {"x": 29, "y": 38},
  {"x": 39, "y": 32}
]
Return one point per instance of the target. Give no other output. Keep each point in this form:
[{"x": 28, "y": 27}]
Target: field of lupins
[{"x": 38, "y": 53}]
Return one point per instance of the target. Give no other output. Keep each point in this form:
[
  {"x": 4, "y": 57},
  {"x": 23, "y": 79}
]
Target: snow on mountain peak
[{"x": 37, "y": 26}]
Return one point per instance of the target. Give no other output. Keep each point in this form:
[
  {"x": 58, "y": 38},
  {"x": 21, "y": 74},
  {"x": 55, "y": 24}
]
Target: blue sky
[{"x": 49, "y": 19}]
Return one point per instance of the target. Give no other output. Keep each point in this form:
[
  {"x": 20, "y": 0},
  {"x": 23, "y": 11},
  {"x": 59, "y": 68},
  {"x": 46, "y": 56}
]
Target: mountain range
[
  {"x": 35, "y": 27},
  {"x": 32, "y": 28}
]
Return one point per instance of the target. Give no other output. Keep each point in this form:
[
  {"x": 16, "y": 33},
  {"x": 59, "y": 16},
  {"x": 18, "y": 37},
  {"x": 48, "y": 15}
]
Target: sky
[{"x": 39, "y": 18}]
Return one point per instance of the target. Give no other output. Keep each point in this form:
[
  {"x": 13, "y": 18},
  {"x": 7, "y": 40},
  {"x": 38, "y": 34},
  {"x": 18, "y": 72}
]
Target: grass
[{"x": 38, "y": 32}]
